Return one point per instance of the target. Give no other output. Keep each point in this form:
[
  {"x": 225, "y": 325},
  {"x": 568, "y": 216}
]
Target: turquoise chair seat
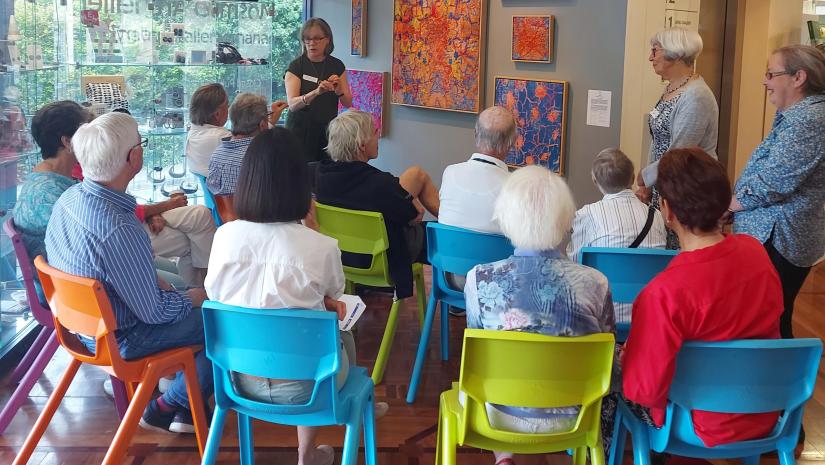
[
  {"x": 745, "y": 376},
  {"x": 291, "y": 345},
  {"x": 457, "y": 251},
  {"x": 628, "y": 271}
]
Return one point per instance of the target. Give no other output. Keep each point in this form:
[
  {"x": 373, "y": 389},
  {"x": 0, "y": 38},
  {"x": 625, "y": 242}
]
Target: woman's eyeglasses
[{"x": 309, "y": 40}]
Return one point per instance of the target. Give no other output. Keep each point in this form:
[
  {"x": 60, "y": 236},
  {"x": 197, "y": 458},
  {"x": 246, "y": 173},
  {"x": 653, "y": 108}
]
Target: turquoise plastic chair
[
  {"x": 285, "y": 344},
  {"x": 364, "y": 232},
  {"x": 209, "y": 199},
  {"x": 527, "y": 370},
  {"x": 628, "y": 271},
  {"x": 745, "y": 376},
  {"x": 451, "y": 250}
]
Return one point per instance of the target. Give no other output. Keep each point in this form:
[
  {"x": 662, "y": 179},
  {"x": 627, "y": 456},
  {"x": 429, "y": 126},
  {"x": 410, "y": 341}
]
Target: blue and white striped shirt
[
  {"x": 93, "y": 232},
  {"x": 225, "y": 165}
]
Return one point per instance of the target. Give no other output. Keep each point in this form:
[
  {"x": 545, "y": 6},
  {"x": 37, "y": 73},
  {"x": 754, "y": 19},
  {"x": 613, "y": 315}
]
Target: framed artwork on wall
[
  {"x": 367, "y": 89},
  {"x": 532, "y": 38},
  {"x": 358, "y": 46},
  {"x": 437, "y": 55},
  {"x": 540, "y": 109}
]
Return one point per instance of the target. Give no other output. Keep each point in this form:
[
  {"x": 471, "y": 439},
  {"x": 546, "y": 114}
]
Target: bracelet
[{"x": 304, "y": 100}]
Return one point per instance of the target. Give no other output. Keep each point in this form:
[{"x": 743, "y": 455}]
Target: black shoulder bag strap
[{"x": 651, "y": 212}]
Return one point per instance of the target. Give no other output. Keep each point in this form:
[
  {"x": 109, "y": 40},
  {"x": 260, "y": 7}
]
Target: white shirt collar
[
  {"x": 621, "y": 193},
  {"x": 493, "y": 160}
]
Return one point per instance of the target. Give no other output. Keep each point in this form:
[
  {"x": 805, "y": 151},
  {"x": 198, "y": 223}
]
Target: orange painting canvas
[
  {"x": 533, "y": 38},
  {"x": 437, "y": 56}
]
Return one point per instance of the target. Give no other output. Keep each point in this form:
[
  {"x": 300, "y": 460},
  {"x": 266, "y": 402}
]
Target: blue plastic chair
[
  {"x": 744, "y": 376},
  {"x": 451, "y": 250},
  {"x": 285, "y": 344},
  {"x": 209, "y": 199},
  {"x": 628, "y": 271}
]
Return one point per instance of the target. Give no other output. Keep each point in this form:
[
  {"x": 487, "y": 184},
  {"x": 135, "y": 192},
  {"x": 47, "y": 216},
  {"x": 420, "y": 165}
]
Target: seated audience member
[
  {"x": 538, "y": 289},
  {"x": 718, "y": 288},
  {"x": 620, "y": 219},
  {"x": 348, "y": 181},
  {"x": 469, "y": 189},
  {"x": 93, "y": 232},
  {"x": 208, "y": 112},
  {"x": 267, "y": 259},
  {"x": 250, "y": 116}
]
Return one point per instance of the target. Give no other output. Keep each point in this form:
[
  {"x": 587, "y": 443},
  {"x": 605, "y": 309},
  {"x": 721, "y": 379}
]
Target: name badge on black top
[{"x": 309, "y": 78}]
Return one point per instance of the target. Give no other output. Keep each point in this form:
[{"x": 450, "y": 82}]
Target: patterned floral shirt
[
  {"x": 539, "y": 292},
  {"x": 782, "y": 188},
  {"x": 38, "y": 194}
]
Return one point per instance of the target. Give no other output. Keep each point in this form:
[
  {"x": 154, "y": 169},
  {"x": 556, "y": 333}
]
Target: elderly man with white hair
[
  {"x": 537, "y": 289},
  {"x": 249, "y": 115},
  {"x": 93, "y": 232},
  {"x": 469, "y": 189}
]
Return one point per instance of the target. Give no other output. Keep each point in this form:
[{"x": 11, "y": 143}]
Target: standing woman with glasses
[
  {"x": 779, "y": 197},
  {"x": 686, "y": 114},
  {"x": 315, "y": 83}
]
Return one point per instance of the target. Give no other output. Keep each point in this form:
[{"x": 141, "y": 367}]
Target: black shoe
[
  {"x": 156, "y": 420},
  {"x": 455, "y": 311},
  {"x": 182, "y": 423}
]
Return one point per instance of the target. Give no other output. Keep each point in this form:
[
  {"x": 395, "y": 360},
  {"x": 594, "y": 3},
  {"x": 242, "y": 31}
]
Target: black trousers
[{"x": 792, "y": 278}]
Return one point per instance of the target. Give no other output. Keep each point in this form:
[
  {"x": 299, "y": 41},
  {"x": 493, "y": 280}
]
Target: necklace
[
  {"x": 668, "y": 90},
  {"x": 323, "y": 68}
]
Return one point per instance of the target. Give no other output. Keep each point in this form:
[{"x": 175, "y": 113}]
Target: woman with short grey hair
[{"x": 686, "y": 115}]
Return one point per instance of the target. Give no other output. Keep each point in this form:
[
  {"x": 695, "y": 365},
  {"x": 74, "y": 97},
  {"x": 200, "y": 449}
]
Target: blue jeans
[{"x": 144, "y": 339}]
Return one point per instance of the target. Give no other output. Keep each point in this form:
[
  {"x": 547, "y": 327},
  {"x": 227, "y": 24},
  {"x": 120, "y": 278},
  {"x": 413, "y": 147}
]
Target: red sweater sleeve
[
  {"x": 650, "y": 352},
  {"x": 141, "y": 216}
]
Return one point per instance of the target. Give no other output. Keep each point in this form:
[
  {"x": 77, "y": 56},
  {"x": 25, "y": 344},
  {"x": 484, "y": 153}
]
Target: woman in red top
[{"x": 718, "y": 288}]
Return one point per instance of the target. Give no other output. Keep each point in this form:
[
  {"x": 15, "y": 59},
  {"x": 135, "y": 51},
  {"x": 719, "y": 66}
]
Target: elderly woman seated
[
  {"x": 718, "y": 288},
  {"x": 348, "y": 181},
  {"x": 538, "y": 289}
]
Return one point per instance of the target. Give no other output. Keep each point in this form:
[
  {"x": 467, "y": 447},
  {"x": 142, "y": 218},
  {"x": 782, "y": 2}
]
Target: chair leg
[
  {"x": 21, "y": 393},
  {"x": 423, "y": 344},
  {"x": 126, "y": 430},
  {"x": 215, "y": 434},
  {"x": 420, "y": 292},
  {"x": 580, "y": 456},
  {"x": 193, "y": 389},
  {"x": 786, "y": 457},
  {"x": 48, "y": 412},
  {"x": 348, "y": 287},
  {"x": 619, "y": 439},
  {"x": 120, "y": 395},
  {"x": 245, "y": 439},
  {"x": 31, "y": 354},
  {"x": 445, "y": 332},
  {"x": 753, "y": 460},
  {"x": 352, "y": 438},
  {"x": 597, "y": 453},
  {"x": 386, "y": 343},
  {"x": 447, "y": 440},
  {"x": 370, "y": 446}
]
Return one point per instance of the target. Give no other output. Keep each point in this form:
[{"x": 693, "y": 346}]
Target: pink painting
[{"x": 367, "y": 89}]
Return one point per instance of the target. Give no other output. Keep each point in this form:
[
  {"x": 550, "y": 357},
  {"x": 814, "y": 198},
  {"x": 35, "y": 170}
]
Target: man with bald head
[{"x": 469, "y": 189}]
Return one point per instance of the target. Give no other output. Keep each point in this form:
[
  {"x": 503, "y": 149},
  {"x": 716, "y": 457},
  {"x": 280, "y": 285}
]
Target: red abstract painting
[{"x": 533, "y": 38}]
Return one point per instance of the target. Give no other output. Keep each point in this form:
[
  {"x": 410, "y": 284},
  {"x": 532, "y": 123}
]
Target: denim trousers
[{"x": 145, "y": 339}]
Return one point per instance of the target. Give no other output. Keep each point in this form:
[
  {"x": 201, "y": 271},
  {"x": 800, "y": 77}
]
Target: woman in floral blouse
[{"x": 537, "y": 290}]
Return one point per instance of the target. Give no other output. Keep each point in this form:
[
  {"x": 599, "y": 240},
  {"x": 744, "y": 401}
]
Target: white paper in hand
[{"x": 355, "y": 307}]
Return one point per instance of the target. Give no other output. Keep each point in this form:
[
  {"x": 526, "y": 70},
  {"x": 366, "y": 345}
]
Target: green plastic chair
[
  {"x": 527, "y": 370},
  {"x": 364, "y": 232}
]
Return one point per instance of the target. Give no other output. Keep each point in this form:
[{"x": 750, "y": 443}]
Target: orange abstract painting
[
  {"x": 359, "y": 28},
  {"x": 437, "y": 54},
  {"x": 533, "y": 38}
]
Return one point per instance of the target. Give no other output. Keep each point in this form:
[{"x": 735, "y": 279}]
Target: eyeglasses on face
[
  {"x": 143, "y": 143},
  {"x": 309, "y": 40},
  {"x": 655, "y": 50},
  {"x": 772, "y": 74}
]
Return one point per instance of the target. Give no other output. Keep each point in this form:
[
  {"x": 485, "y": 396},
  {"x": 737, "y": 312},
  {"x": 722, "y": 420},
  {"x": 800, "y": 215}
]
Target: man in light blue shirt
[{"x": 93, "y": 232}]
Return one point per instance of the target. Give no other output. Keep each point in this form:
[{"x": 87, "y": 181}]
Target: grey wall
[{"x": 589, "y": 53}]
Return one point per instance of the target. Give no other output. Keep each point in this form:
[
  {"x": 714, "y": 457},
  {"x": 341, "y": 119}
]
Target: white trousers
[{"x": 187, "y": 235}]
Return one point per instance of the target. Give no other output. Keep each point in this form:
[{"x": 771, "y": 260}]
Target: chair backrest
[
  {"x": 287, "y": 344},
  {"x": 42, "y": 314},
  {"x": 209, "y": 199},
  {"x": 226, "y": 207},
  {"x": 457, "y": 250},
  {"x": 358, "y": 232},
  {"x": 627, "y": 270},
  {"x": 745, "y": 376},
  {"x": 80, "y": 306}
]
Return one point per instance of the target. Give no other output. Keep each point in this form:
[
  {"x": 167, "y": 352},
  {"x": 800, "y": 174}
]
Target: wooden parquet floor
[{"x": 84, "y": 425}]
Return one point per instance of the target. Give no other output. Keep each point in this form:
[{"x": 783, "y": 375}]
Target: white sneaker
[
  {"x": 107, "y": 388},
  {"x": 381, "y": 409},
  {"x": 163, "y": 384}
]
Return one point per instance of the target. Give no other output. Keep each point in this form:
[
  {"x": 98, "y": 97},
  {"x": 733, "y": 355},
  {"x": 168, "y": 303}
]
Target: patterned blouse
[
  {"x": 539, "y": 292},
  {"x": 660, "y": 130},
  {"x": 38, "y": 194},
  {"x": 782, "y": 188}
]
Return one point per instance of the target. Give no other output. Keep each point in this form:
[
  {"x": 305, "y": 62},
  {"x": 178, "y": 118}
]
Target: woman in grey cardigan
[{"x": 686, "y": 115}]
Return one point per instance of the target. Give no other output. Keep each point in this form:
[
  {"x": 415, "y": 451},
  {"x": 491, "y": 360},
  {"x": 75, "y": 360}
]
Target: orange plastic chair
[
  {"x": 226, "y": 208},
  {"x": 81, "y": 306}
]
